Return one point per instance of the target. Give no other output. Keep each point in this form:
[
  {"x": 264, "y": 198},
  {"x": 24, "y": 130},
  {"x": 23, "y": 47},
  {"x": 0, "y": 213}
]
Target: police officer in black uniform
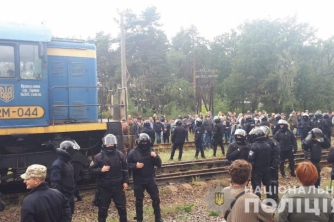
[
  {"x": 313, "y": 145},
  {"x": 111, "y": 170},
  {"x": 288, "y": 144},
  {"x": 305, "y": 125},
  {"x": 260, "y": 158},
  {"x": 218, "y": 131},
  {"x": 278, "y": 117},
  {"x": 149, "y": 131},
  {"x": 249, "y": 125},
  {"x": 62, "y": 172},
  {"x": 142, "y": 160},
  {"x": 239, "y": 149},
  {"x": 199, "y": 131},
  {"x": 178, "y": 138},
  {"x": 264, "y": 121},
  {"x": 274, "y": 161},
  {"x": 327, "y": 126},
  {"x": 318, "y": 121}
]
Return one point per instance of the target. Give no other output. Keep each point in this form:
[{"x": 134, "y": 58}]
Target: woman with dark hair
[{"x": 305, "y": 203}]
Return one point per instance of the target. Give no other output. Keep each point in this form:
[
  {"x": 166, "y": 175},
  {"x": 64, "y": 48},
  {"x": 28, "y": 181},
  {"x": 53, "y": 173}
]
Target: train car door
[
  {"x": 58, "y": 83},
  {"x": 23, "y": 85},
  {"x": 78, "y": 95}
]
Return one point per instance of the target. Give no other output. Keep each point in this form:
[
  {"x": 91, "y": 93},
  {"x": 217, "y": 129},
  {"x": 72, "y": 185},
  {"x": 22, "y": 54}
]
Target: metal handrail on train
[{"x": 84, "y": 105}]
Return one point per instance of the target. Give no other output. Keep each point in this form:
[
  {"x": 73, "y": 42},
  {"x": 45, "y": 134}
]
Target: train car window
[
  {"x": 30, "y": 63},
  {"x": 7, "y": 61}
]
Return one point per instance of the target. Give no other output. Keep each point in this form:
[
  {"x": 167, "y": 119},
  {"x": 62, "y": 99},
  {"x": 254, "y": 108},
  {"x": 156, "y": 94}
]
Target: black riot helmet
[
  {"x": 216, "y": 119},
  {"x": 67, "y": 148},
  {"x": 316, "y": 132},
  {"x": 147, "y": 123},
  {"x": 250, "y": 136},
  {"x": 283, "y": 125},
  {"x": 278, "y": 117},
  {"x": 258, "y": 135},
  {"x": 326, "y": 116},
  {"x": 311, "y": 115},
  {"x": 178, "y": 122},
  {"x": 318, "y": 115},
  {"x": 240, "y": 136},
  {"x": 143, "y": 142},
  {"x": 265, "y": 129},
  {"x": 67, "y": 144},
  {"x": 199, "y": 122},
  {"x": 305, "y": 116},
  {"x": 263, "y": 118},
  {"x": 109, "y": 143}
]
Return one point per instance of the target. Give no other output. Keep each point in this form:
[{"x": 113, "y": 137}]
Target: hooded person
[
  {"x": 111, "y": 169},
  {"x": 62, "y": 172}
]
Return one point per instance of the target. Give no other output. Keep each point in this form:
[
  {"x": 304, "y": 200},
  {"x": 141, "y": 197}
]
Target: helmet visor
[{"x": 109, "y": 140}]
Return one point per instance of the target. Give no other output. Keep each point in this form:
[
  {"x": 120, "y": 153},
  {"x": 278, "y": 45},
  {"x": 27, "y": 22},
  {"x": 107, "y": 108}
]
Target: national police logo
[
  {"x": 6, "y": 92},
  {"x": 216, "y": 199},
  {"x": 219, "y": 198}
]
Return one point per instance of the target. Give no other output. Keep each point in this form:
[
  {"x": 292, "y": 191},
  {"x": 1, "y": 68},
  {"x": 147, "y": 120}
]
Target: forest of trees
[{"x": 277, "y": 65}]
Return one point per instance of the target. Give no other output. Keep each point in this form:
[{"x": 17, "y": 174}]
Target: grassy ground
[{"x": 189, "y": 154}]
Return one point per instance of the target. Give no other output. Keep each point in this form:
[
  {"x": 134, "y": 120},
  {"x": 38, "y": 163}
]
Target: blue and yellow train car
[{"x": 48, "y": 93}]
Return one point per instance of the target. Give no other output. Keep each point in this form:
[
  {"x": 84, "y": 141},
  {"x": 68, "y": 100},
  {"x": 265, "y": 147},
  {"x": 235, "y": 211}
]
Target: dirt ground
[{"x": 179, "y": 202}]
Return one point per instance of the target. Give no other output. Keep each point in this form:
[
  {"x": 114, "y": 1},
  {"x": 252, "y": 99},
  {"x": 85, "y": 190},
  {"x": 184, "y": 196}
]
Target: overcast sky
[{"x": 71, "y": 18}]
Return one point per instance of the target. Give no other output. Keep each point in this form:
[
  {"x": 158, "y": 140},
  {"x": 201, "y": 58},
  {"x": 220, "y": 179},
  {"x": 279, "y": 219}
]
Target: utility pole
[
  {"x": 194, "y": 80},
  {"x": 123, "y": 97}
]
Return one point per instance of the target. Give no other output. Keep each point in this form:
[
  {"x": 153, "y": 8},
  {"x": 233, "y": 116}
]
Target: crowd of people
[
  {"x": 254, "y": 157},
  {"x": 163, "y": 125},
  {"x": 248, "y": 138}
]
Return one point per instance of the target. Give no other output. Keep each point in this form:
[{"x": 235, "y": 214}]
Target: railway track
[
  {"x": 183, "y": 171},
  {"x": 163, "y": 147}
]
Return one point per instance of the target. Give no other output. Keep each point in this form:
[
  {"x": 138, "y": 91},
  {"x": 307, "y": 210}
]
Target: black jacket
[
  {"x": 315, "y": 147},
  {"x": 275, "y": 152},
  {"x": 218, "y": 131},
  {"x": 260, "y": 156},
  {"x": 179, "y": 135},
  {"x": 145, "y": 174},
  {"x": 208, "y": 125},
  {"x": 44, "y": 204},
  {"x": 234, "y": 154},
  {"x": 305, "y": 126},
  {"x": 199, "y": 135},
  {"x": 249, "y": 126},
  {"x": 158, "y": 127},
  {"x": 118, "y": 172},
  {"x": 327, "y": 125},
  {"x": 286, "y": 140},
  {"x": 150, "y": 132},
  {"x": 62, "y": 176}
]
